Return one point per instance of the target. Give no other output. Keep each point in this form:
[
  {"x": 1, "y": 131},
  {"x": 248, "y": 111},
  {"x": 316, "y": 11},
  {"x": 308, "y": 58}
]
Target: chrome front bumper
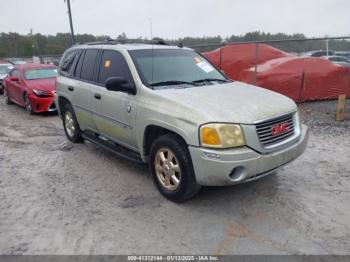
[{"x": 234, "y": 166}]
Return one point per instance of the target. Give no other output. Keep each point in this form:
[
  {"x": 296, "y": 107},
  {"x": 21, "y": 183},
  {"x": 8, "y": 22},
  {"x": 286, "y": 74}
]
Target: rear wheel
[
  {"x": 172, "y": 169},
  {"x": 28, "y": 105},
  {"x": 6, "y": 98},
  {"x": 70, "y": 124}
]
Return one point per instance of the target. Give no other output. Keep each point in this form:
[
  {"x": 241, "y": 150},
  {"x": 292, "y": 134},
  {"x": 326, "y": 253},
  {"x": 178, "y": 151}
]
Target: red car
[{"x": 32, "y": 86}]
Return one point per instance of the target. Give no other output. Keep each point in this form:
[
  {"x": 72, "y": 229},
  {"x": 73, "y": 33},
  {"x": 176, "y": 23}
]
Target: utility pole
[
  {"x": 31, "y": 38},
  {"x": 70, "y": 21}
]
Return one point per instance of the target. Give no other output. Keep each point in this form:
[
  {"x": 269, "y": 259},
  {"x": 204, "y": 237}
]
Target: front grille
[{"x": 264, "y": 130}]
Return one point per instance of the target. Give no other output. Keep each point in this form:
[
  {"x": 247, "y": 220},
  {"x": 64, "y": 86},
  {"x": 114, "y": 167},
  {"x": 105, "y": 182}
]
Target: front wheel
[
  {"x": 28, "y": 105},
  {"x": 172, "y": 169},
  {"x": 6, "y": 98},
  {"x": 70, "y": 124}
]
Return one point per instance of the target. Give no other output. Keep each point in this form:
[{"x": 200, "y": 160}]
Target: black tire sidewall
[
  {"x": 77, "y": 137},
  {"x": 26, "y": 99},
  {"x": 188, "y": 186},
  {"x": 6, "y": 98}
]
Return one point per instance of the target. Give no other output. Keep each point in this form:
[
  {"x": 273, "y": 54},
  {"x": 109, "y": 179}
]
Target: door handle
[
  {"x": 70, "y": 88},
  {"x": 98, "y": 96}
]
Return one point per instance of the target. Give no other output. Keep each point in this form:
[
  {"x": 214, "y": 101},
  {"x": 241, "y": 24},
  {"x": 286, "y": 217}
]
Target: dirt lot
[{"x": 60, "y": 198}]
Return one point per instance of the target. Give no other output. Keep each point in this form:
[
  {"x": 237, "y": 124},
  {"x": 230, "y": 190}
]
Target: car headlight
[
  {"x": 41, "y": 93},
  {"x": 221, "y": 135}
]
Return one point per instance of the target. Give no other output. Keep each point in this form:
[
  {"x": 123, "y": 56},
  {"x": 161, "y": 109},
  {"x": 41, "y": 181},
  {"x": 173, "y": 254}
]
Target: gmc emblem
[{"x": 279, "y": 129}]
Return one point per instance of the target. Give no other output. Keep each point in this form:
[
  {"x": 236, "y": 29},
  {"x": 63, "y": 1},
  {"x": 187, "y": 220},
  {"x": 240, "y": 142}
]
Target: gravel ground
[{"x": 60, "y": 198}]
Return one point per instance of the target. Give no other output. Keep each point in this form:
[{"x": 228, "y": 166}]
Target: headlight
[
  {"x": 221, "y": 135},
  {"x": 41, "y": 93}
]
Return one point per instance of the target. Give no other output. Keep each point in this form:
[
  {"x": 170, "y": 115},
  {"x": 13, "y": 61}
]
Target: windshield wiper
[
  {"x": 211, "y": 79},
  {"x": 172, "y": 82}
]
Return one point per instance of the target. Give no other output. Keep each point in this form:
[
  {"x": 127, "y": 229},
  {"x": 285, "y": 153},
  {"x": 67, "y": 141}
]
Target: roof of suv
[{"x": 128, "y": 46}]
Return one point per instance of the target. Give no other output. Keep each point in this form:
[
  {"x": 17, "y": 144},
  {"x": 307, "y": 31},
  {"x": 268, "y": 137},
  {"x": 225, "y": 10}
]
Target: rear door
[
  {"x": 114, "y": 112},
  {"x": 83, "y": 89}
]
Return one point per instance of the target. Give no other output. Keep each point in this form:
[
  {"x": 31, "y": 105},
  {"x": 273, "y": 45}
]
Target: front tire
[
  {"x": 28, "y": 105},
  {"x": 6, "y": 98},
  {"x": 171, "y": 168},
  {"x": 70, "y": 124}
]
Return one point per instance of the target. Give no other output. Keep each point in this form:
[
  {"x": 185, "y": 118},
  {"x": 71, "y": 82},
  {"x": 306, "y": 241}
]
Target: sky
[{"x": 178, "y": 18}]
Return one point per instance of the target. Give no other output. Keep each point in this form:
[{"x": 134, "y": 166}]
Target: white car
[{"x": 4, "y": 70}]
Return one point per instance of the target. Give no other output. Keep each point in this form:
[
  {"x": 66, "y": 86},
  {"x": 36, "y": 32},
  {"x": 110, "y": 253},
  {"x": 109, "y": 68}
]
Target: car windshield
[
  {"x": 164, "y": 68},
  {"x": 33, "y": 74},
  {"x": 4, "y": 69}
]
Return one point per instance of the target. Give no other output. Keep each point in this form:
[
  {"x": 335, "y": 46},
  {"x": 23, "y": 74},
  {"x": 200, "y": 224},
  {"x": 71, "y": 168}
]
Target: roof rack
[{"x": 122, "y": 41}]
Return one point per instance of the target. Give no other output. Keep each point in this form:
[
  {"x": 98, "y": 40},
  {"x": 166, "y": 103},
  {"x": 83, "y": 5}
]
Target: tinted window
[
  {"x": 77, "y": 69},
  {"x": 67, "y": 61},
  {"x": 88, "y": 67},
  {"x": 113, "y": 64}
]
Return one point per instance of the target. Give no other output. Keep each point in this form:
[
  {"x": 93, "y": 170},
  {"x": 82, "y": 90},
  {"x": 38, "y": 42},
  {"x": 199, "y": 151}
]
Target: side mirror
[
  {"x": 120, "y": 84},
  {"x": 14, "y": 78}
]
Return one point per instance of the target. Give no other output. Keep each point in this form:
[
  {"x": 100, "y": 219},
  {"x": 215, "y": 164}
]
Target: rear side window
[
  {"x": 68, "y": 61},
  {"x": 113, "y": 64},
  {"x": 77, "y": 70},
  {"x": 88, "y": 67}
]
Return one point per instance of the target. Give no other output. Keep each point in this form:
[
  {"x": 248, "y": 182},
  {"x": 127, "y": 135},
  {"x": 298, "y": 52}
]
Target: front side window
[
  {"x": 113, "y": 64},
  {"x": 33, "y": 74},
  {"x": 162, "y": 68}
]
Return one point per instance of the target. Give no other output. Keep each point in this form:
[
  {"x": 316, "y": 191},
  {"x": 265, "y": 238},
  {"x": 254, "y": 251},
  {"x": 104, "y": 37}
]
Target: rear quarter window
[{"x": 68, "y": 61}]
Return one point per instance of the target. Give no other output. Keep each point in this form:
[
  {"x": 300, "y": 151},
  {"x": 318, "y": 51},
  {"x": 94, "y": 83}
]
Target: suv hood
[{"x": 234, "y": 102}]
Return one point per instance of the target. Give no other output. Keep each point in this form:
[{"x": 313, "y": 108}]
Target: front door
[
  {"x": 14, "y": 87},
  {"x": 114, "y": 112}
]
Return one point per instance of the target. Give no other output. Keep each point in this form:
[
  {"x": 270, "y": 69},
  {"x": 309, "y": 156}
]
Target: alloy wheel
[
  {"x": 28, "y": 105},
  {"x": 167, "y": 169},
  {"x": 69, "y": 123}
]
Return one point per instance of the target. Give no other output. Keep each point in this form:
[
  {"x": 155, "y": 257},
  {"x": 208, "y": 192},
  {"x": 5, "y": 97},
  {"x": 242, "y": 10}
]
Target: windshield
[
  {"x": 33, "y": 74},
  {"x": 169, "y": 67},
  {"x": 4, "y": 69}
]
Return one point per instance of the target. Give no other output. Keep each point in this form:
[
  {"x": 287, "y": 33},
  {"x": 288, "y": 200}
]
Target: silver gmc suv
[{"x": 169, "y": 107}]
